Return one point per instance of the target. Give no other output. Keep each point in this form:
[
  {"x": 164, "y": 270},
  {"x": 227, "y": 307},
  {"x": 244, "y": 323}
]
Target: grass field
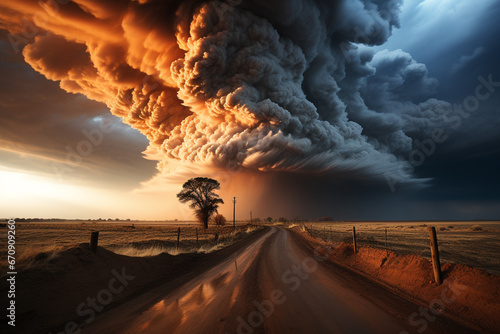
[
  {"x": 472, "y": 243},
  {"x": 42, "y": 241}
]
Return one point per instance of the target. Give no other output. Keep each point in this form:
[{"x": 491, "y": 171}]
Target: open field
[
  {"x": 474, "y": 243},
  {"x": 224, "y": 284},
  {"x": 36, "y": 242}
]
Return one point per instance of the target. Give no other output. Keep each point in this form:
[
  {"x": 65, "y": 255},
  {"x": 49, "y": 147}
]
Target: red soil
[{"x": 467, "y": 293}]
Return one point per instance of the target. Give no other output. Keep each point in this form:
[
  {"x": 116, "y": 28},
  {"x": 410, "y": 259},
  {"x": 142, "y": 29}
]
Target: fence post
[
  {"x": 436, "y": 265},
  {"x": 178, "y": 238},
  {"x": 94, "y": 236},
  {"x": 197, "y": 242},
  {"x": 307, "y": 229},
  {"x": 386, "y": 249},
  {"x": 354, "y": 239}
]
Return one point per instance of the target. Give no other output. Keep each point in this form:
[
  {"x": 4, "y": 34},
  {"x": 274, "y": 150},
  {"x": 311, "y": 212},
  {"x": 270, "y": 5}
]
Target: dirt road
[{"x": 273, "y": 285}]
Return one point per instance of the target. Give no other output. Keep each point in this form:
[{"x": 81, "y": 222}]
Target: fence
[
  {"x": 186, "y": 237},
  {"x": 459, "y": 242},
  {"x": 133, "y": 240}
]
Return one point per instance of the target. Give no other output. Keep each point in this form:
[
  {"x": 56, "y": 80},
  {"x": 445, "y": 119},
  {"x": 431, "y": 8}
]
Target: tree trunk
[{"x": 205, "y": 222}]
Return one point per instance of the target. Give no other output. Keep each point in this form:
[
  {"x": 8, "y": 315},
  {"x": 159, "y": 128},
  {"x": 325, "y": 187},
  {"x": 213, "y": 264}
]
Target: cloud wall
[{"x": 287, "y": 86}]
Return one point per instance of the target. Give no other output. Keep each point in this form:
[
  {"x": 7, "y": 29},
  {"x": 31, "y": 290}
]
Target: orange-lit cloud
[{"x": 217, "y": 84}]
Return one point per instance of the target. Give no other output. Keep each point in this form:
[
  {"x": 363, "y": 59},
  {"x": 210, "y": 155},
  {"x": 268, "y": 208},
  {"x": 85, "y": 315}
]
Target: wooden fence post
[
  {"x": 94, "y": 236},
  {"x": 436, "y": 265},
  {"x": 354, "y": 239},
  {"x": 306, "y": 229},
  {"x": 197, "y": 242},
  {"x": 386, "y": 249},
  {"x": 178, "y": 238}
]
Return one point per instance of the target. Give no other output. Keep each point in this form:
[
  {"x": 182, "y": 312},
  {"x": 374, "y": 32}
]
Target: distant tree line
[
  {"x": 27, "y": 220},
  {"x": 48, "y": 220}
]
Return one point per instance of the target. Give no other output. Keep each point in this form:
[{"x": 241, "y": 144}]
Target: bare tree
[{"x": 200, "y": 192}]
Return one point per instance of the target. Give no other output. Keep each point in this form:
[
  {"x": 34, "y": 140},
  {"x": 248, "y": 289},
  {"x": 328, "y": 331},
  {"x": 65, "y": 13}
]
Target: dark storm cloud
[
  {"x": 269, "y": 87},
  {"x": 466, "y": 162},
  {"x": 442, "y": 33},
  {"x": 466, "y": 59}
]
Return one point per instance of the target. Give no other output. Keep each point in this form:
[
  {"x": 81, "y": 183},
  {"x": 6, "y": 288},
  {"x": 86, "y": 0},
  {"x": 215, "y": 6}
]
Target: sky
[{"x": 374, "y": 110}]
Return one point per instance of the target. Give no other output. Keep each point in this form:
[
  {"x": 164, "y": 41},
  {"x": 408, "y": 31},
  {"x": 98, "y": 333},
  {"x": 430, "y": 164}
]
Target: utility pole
[
  {"x": 250, "y": 217},
  {"x": 234, "y": 212}
]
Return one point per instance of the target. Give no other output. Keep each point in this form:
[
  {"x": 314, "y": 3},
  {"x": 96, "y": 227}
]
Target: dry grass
[
  {"x": 188, "y": 246},
  {"x": 36, "y": 245},
  {"x": 30, "y": 256},
  {"x": 461, "y": 242},
  {"x": 251, "y": 229}
]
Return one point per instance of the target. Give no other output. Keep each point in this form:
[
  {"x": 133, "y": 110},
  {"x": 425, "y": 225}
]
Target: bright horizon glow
[{"x": 29, "y": 195}]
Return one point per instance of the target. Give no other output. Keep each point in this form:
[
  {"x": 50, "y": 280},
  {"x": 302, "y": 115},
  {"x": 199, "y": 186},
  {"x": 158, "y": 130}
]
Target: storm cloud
[{"x": 287, "y": 87}]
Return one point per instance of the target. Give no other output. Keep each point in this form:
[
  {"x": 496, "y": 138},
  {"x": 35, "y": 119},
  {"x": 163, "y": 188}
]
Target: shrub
[{"x": 219, "y": 220}]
